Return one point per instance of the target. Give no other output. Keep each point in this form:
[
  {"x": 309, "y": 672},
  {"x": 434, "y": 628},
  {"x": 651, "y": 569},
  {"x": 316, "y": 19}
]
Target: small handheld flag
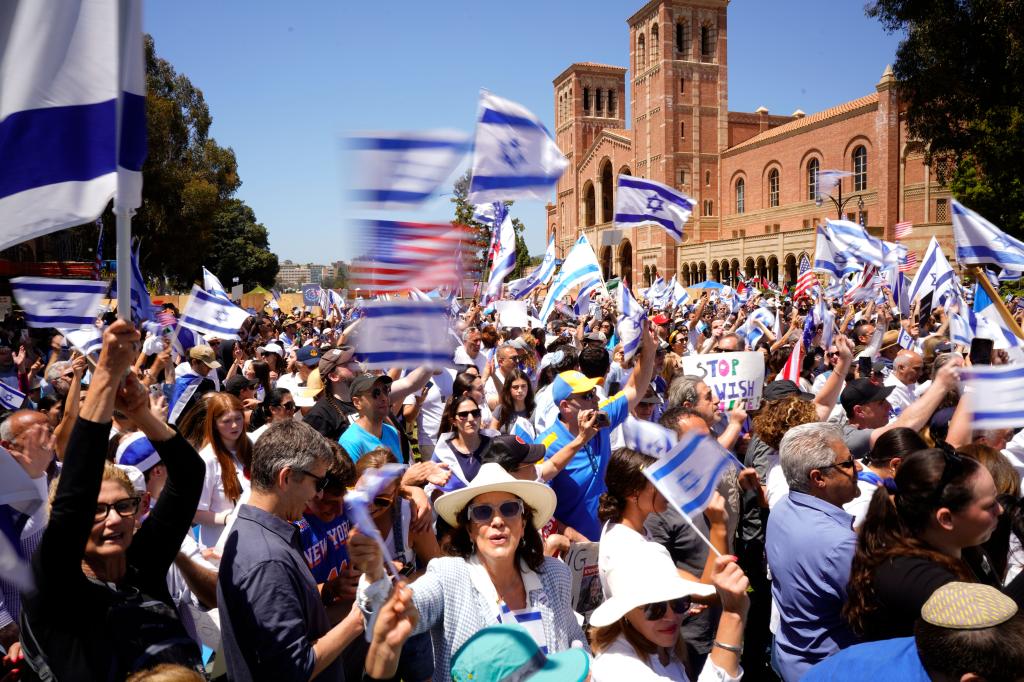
[
  {"x": 207, "y": 313},
  {"x": 359, "y": 502},
  {"x": 68, "y": 303}
]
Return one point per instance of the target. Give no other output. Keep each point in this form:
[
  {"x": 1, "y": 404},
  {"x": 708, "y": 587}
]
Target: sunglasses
[
  {"x": 379, "y": 391},
  {"x": 383, "y": 502},
  {"x": 129, "y": 506},
  {"x": 483, "y": 513},
  {"x": 468, "y": 413},
  {"x": 657, "y": 611},
  {"x": 321, "y": 481},
  {"x": 589, "y": 395},
  {"x": 846, "y": 464},
  {"x": 288, "y": 406}
]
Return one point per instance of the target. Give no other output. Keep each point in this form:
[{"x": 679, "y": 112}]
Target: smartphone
[
  {"x": 981, "y": 351},
  {"x": 603, "y": 421},
  {"x": 864, "y": 365}
]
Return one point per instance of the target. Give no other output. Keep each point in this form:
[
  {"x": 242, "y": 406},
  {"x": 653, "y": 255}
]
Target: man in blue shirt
[
  {"x": 371, "y": 396},
  {"x": 810, "y": 545},
  {"x": 581, "y": 483}
]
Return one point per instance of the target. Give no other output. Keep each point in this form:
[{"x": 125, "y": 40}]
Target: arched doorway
[
  {"x": 626, "y": 261},
  {"x": 606, "y": 262},
  {"x": 748, "y": 268},
  {"x": 715, "y": 272},
  {"x": 607, "y": 183},
  {"x": 773, "y": 269},
  {"x": 790, "y": 268},
  {"x": 762, "y": 268},
  {"x": 647, "y": 275},
  {"x": 726, "y": 275},
  {"x": 589, "y": 207},
  {"x": 736, "y": 274},
  {"x": 703, "y": 276}
]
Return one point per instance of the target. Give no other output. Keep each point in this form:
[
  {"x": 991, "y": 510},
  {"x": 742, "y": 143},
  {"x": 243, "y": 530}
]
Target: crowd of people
[{"x": 192, "y": 520}]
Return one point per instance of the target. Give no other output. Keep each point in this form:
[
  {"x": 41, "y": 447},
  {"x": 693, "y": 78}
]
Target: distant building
[{"x": 293, "y": 275}]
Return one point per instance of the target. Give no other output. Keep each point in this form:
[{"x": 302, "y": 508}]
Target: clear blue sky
[{"x": 285, "y": 81}]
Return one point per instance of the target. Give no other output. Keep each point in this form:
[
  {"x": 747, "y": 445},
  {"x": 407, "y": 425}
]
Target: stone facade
[{"x": 749, "y": 174}]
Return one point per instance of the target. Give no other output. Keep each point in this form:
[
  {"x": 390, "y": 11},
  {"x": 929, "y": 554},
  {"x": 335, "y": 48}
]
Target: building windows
[
  {"x": 707, "y": 43},
  {"x": 707, "y": 178},
  {"x": 773, "y": 188},
  {"x": 812, "y": 179},
  {"x": 709, "y": 207},
  {"x": 641, "y": 52},
  {"x": 611, "y": 103},
  {"x": 683, "y": 38},
  {"x": 682, "y": 131},
  {"x": 682, "y": 85},
  {"x": 599, "y": 99},
  {"x": 863, "y": 218},
  {"x": 741, "y": 196},
  {"x": 860, "y": 169},
  {"x": 941, "y": 210},
  {"x": 586, "y": 100},
  {"x": 654, "y": 44},
  {"x": 681, "y": 176}
]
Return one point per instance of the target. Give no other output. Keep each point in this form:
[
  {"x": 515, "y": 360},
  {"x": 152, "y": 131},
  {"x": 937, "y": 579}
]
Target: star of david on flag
[
  {"x": 638, "y": 201},
  {"x": 207, "y": 313}
]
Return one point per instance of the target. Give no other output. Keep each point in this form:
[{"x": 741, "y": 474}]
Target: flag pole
[
  {"x": 983, "y": 280},
  {"x": 124, "y": 261}
]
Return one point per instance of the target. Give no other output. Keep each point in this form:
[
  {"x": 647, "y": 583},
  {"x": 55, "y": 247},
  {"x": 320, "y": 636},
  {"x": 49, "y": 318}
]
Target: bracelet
[{"x": 736, "y": 649}]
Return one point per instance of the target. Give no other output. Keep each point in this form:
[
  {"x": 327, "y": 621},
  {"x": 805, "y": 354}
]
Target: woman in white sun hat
[
  {"x": 636, "y": 632},
  {"x": 497, "y": 574}
]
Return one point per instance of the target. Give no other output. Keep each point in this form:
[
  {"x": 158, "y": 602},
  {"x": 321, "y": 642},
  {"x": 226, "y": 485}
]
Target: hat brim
[
  {"x": 213, "y": 364},
  {"x": 571, "y": 665},
  {"x": 586, "y": 384},
  {"x": 540, "y": 498},
  {"x": 618, "y": 605}
]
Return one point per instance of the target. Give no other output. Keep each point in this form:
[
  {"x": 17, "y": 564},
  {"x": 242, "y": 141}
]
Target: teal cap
[{"x": 504, "y": 652}]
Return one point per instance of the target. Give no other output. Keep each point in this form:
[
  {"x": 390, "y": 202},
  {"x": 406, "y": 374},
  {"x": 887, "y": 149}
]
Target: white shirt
[
  {"x": 462, "y": 358},
  {"x": 213, "y": 497},
  {"x": 617, "y": 539},
  {"x": 545, "y": 413},
  {"x": 858, "y": 506},
  {"x": 901, "y": 397},
  {"x": 620, "y": 662}
]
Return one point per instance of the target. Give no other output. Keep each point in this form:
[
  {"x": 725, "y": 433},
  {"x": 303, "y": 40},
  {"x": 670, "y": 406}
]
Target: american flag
[
  {"x": 404, "y": 256},
  {"x": 805, "y": 281},
  {"x": 165, "y": 318},
  {"x": 910, "y": 263},
  {"x": 904, "y": 229}
]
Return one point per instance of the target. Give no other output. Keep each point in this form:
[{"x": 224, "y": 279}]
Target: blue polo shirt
[
  {"x": 810, "y": 545},
  {"x": 889, "y": 659},
  {"x": 581, "y": 483},
  {"x": 357, "y": 441}
]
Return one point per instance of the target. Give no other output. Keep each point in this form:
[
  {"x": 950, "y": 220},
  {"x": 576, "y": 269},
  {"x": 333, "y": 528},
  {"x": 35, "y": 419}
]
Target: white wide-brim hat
[
  {"x": 644, "y": 575},
  {"x": 493, "y": 479}
]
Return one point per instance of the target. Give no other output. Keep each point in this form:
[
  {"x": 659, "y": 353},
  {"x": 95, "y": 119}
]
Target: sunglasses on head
[
  {"x": 466, "y": 414},
  {"x": 657, "y": 611},
  {"x": 483, "y": 513},
  {"x": 129, "y": 506}
]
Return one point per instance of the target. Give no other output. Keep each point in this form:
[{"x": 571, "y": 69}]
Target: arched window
[
  {"x": 707, "y": 42},
  {"x": 707, "y": 178},
  {"x": 600, "y": 99},
  {"x": 682, "y": 131},
  {"x": 683, "y": 38},
  {"x": 586, "y": 99},
  {"x": 611, "y": 103},
  {"x": 812, "y": 179},
  {"x": 641, "y": 52},
  {"x": 741, "y": 198},
  {"x": 654, "y": 44},
  {"x": 860, "y": 169},
  {"x": 773, "y": 188},
  {"x": 589, "y": 205}
]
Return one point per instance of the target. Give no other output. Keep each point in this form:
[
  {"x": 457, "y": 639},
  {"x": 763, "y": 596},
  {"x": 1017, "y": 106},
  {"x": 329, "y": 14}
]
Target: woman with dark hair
[
  {"x": 470, "y": 383},
  {"x": 1004, "y": 547},
  {"x": 497, "y": 572},
  {"x": 922, "y": 536},
  {"x": 259, "y": 371},
  {"x": 880, "y": 467},
  {"x": 278, "y": 406},
  {"x": 515, "y": 400},
  {"x": 227, "y": 454},
  {"x": 460, "y": 441}
]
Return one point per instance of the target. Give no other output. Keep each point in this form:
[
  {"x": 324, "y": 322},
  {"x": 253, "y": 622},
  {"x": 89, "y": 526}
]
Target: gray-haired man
[{"x": 273, "y": 622}]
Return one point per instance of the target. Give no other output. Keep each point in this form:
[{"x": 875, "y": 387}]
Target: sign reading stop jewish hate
[{"x": 732, "y": 377}]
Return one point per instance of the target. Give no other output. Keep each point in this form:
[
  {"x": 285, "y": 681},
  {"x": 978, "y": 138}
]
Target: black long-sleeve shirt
[{"x": 81, "y": 628}]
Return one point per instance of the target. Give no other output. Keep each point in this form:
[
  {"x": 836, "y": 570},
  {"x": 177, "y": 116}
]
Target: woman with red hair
[{"x": 227, "y": 453}]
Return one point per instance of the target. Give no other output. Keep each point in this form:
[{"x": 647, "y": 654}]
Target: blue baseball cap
[
  {"x": 136, "y": 450},
  {"x": 308, "y": 355}
]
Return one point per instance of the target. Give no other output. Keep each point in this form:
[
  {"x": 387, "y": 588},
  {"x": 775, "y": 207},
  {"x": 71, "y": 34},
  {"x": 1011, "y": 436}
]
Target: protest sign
[
  {"x": 586, "y": 582},
  {"x": 732, "y": 377},
  {"x": 512, "y": 314}
]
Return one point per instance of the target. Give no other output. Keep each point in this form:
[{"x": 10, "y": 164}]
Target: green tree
[
  {"x": 241, "y": 247},
  {"x": 482, "y": 232},
  {"x": 960, "y": 68}
]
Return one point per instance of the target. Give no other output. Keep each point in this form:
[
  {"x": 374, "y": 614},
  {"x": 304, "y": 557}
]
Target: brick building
[{"x": 751, "y": 175}]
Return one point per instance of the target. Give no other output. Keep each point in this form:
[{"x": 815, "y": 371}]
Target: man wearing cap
[
  {"x": 371, "y": 396},
  {"x": 867, "y": 408},
  {"x": 288, "y": 337},
  {"x": 906, "y": 370},
  {"x": 193, "y": 380},
  {"x": 581, "y": 483},
  {"x": 306, "y": 358},
  {"x": 330, "y": 415}
]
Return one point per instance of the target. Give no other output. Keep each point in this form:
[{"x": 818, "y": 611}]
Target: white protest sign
[
  {"x": 512, "y": 314},
  {"x": 732, "y": 377},
  {"x": 587, "y": 594}
]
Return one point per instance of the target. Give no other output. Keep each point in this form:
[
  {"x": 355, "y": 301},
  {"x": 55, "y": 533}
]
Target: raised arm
[
  {"x": 640, "y": 378},
  {"x": 826, "y": 399},
  {"x": 917, "y": 414}
]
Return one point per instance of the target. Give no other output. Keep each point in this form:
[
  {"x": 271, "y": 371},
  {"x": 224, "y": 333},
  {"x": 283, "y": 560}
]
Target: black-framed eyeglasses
[
  {"x": 466, "y": 414},
  {"x": 129, "y": 506},
  {"x": 483, "y": 513},
  {"x": 321, "y": 481},
  {"x": 845, "y": 464},
  {"x": 657, "y": 611}
]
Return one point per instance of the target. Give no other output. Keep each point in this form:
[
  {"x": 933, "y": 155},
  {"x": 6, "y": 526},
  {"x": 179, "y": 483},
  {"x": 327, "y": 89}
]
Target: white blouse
[
  {"x": 213, "y": 497},
  {"x": 620, "y": 662}
]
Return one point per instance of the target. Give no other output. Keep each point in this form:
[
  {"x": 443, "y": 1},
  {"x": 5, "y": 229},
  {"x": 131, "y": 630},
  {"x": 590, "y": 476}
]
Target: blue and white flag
[
  {"x": 995, "y": 394},
  {"x": 979, "y": 242},
  {"x": 751, "y": 331},
  {"x": 403, "y": 169},
  {"x": 935, "y": 274},
  {"x": 68, "y": 303},
  {"x": 580, "y": 269},
  {"x": 629, "y": 327},
  {"x": 488, "y": 213},
  {"x": 679, "y": 295},
  {"x": 68, "y": 71},
  {"x": 639, "y": 200},
  {"x": 404, "y": 333},
  {"x": 523, "y": 429},
  {"x": 143, "y": 309},
  {"x": 11, "y": 398},
  {"x": 900, "y": 294},
  {"x": 504, "y": 261},
  {"x": 905, "y": 340},
  {"x": 208, "y": 313},
  {"x": 523, "y": 287},
  {"x": 19, "y": 500},
  {"x": 828, "y": 257},
  {"x": 275, "y": 298},
  {"x": 359, "y": 506},
  {"x": 213, "y": 285},
  {"x": 856, "y": 243},
  {"x": 688, "y": 473},
  {"x": 827, "y": 181},
  {"x": 648, "y": 438},
  {"x": 960, "y": 329},
  {"x": 828, "y": 328},
  {"x": 88, "y": 340},
  {"x": 514, "y": 156}
]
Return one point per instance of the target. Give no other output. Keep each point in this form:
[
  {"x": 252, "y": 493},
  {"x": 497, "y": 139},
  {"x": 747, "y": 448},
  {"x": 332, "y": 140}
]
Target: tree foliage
[
  {"x": 482, "y": 232},
  {"x": 961, "y": 70}
]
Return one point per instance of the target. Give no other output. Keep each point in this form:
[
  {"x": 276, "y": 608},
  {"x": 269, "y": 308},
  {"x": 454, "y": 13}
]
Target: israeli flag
[
  {"x": 830, "y": 258},
  {"x": 934, "y": 274},
  {"x": 828, "y": 328},
  {"x": 213, "y": 285},
  {"x": 514, "y": 155},
  {"x": 751, "y": 331},
  {"x": 72, "y": 114},
  {"x": 995, "y": 394},
  {"x": 638, "y": 201},
  {"x": 979, "y": 242},
  {"x": 59, "y": 302},
  {"x": 88, "y": 340},
  {"x": 11, "y": 398},
  {"x": 523, "y": 429},
  {"x": 521, "y": 288},
  {"x": 905, "y": 340},
  {"x": 856, "y": 242},
  {"x": 403, "y": 333},
  {"x": 403, "y": 169},
  {"x": 647, "y": 437},
  {"x": 688, "y": 473},
  {"x": 900, "y": 295},
  {"x": 580, "y": 268},
  {"x": 960, "y": 329},
  {"x": 143, "y": 309},
  {"x": 359, "y": 506},
  {"x": 488, "y": 213},
  {"x": 208, "y": 313},
  {"x": 504, "y": 261},
  {"x": 630, "y": 323},
  {"x": 679, "y": 295}
]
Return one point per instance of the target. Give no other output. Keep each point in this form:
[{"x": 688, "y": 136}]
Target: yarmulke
[{"x": 967, "y": 606}]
